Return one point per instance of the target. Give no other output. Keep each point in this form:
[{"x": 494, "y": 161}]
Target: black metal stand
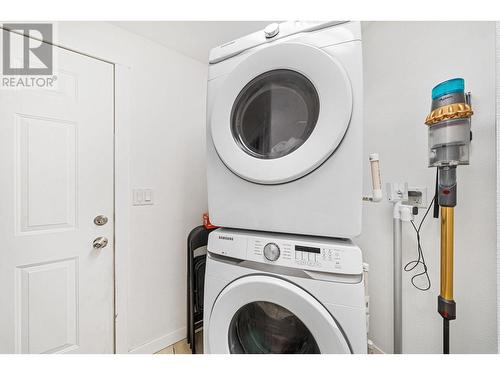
[
  {"x": 197, "y": 238},
  {"x": 448, "y": 310},
  {"x": 446, "y": 336}
]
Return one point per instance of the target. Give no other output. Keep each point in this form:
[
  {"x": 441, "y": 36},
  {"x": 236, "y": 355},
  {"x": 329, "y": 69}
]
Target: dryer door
[
  {"x": 281, "y": 113},
  {"x": 265, "y": 314}
]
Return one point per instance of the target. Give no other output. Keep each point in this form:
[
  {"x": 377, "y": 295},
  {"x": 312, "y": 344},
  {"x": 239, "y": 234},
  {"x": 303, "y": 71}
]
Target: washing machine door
[
  {"x": 262, "y": 314},
  {"x": 281, "y": 113}
]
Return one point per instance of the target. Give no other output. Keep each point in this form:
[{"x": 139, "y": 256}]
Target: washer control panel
[
  {"x": 308, "y": 253},
  {"x": 344, "y": 32}
]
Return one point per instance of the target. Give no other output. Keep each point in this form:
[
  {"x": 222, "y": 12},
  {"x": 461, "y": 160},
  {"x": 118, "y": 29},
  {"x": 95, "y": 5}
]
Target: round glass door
[
  {"x": 280, "y": 113},
  {"x": 275, "y": 114},
  {"x": 267, "y": 328},
  {"x": 266, "y": 314}
]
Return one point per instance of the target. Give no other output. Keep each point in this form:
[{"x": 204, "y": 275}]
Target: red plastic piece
[{"x": 206, "y": 222}]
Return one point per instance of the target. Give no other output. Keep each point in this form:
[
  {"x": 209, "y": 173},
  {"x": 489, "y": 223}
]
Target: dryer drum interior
[{"x": 275, "y": 113}]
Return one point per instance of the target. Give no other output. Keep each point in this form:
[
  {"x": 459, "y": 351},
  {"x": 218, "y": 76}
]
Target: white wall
[
  {"x": 167, "y": 154},
  {"x": 402, "y": 62},
  {"x": 193, "y": 38}
]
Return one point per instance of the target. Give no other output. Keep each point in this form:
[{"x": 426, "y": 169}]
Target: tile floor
[{"x": 182, "y": 346}]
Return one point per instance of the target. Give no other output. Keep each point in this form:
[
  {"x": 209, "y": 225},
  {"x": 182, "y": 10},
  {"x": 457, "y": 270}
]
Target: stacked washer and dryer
[{"x": 284, "y": 140}]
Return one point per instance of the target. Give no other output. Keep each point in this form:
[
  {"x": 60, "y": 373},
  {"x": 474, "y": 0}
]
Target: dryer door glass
[
  {"x": 275, "y": 114},
  {"x": 267, "y": 328}
]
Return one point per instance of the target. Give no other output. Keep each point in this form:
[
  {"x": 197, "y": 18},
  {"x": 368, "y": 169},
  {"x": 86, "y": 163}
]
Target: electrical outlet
[{"x": 417, "y": 197}]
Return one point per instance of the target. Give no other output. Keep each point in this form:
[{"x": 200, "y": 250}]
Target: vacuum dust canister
[{"x": 449, "y": 124}]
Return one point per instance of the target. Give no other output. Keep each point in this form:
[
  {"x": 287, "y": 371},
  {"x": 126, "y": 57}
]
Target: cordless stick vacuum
[{"x": 449, "y": 139}]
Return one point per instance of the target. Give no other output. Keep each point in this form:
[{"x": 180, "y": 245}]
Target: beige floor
[{"x": 182, "y": 346}]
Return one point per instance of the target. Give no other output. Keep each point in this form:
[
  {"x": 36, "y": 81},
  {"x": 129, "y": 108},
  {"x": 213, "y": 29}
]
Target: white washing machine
[
  {"x": 273, "y": 293},
  {"x": 284, "y": 130}
]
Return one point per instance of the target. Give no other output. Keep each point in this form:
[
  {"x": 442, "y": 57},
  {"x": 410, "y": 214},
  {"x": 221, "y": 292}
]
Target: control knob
[
  {"x": 271, "y": 251},
  {"x": 272, "y": 30}
]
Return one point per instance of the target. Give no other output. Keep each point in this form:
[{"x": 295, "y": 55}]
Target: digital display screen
[{"x": 308, "y": 249}]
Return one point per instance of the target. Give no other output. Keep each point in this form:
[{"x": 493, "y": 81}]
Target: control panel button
[{"x": 271, "y": 251}]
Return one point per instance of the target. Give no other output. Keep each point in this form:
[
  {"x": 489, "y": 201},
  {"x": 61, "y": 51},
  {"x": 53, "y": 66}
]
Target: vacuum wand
[
  {"x": 446, "y": 303},
  {"x": 449, "y": 139}
]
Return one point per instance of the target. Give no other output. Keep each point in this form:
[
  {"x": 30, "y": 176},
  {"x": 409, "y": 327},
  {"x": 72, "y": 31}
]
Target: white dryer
[
  {"x": 271, "y": 293},
  {"x": 284, "y": 130}
]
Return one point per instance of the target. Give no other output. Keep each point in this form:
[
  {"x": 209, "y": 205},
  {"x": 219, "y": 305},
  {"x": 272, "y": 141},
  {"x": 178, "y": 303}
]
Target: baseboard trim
[
  {"x": 160, "y": 343},
  {"x": 374, "y": 349}
]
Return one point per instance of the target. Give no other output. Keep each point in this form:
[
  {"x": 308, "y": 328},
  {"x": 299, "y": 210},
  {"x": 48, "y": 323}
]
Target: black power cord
[
  {"x": 436, "y": 205},
  {"x": 411, "y": 265}
]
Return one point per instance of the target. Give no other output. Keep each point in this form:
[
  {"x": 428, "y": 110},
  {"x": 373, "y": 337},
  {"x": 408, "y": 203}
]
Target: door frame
[
  {"x": 122, "y": 83},
  {"x": 497, "y": 62},
  {"x": 121, "y": 190}
]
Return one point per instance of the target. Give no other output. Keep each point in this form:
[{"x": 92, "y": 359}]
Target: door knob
[
  {"x": 100, "y": 220},
  {"x": 100, "y": 242}
]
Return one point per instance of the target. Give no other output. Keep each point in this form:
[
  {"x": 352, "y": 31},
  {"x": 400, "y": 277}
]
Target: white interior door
[{"x": 56, "y": 164}]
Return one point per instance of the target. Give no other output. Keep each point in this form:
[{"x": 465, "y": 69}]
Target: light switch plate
[{"x": 142, "y": 197}]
